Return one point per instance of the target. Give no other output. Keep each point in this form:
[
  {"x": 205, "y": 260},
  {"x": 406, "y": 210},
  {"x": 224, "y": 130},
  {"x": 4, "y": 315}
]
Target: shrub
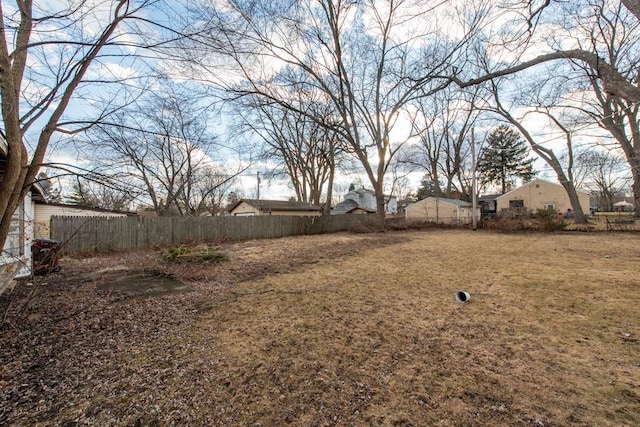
[
  {"x": 396, "y": 224},
  {"x": 178, "y": 252},
  {"x": 204, "y": 255},
  {"x": 368, "y": 226},
  {"x": 502, "y": 223},
  {"x": 547, "y": 220}
]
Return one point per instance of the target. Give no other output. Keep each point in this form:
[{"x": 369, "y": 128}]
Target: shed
[{"x": 441, "y": 210}]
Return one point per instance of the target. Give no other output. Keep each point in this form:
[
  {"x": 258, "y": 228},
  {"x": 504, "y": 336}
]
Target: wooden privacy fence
[{"x": 120, "y": 234}]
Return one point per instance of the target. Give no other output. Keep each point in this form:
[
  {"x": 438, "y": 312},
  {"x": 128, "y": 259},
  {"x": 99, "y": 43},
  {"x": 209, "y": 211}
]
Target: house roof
[
  {"x": 450, "y": 201},
  {"x": 355, "y": 208},
  {"x": 535, "y": 181},
  {"x": 277, "y": 205},
  {"x": 347, "y": 203},
  {"x": 487, "y": 197}
]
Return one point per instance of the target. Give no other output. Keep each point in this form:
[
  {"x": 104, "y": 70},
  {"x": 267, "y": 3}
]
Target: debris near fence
[{"x": 198, "y": 254}]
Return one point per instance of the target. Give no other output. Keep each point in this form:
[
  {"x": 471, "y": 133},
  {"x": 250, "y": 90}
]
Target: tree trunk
[
  {"x": 578, "y": 213},
  {"x": 380, "y": 207},
  {"x": 327, "y": 205},
  {"x": 635, "y": 186}
]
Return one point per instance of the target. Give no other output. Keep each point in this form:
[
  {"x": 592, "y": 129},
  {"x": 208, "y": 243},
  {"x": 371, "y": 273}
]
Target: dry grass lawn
[
  {"x": 374, "y": 336},
  {"x": 549, "y": 337}
]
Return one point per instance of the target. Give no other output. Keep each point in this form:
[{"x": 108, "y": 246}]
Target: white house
[
  {"x": 366, "y": 200},
  {"x": 15, "y": 258},
  {"x": 441, "y": 210}
]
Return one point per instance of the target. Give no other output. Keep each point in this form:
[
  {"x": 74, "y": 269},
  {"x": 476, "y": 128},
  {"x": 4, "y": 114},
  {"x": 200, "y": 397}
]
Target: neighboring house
[
  {"x": 539, "y": 194},
  {"x": 441, "y": 210},
  {"x": 350, "y": 206},
  {"x": 366, "y": 200},
  {"x": 44, "y": 211},
  {"x": 344, "y": 207},
  {"x": 252, "y": 207}
]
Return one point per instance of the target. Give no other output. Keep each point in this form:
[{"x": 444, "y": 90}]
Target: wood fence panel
[{"x": 81, "y": 235}]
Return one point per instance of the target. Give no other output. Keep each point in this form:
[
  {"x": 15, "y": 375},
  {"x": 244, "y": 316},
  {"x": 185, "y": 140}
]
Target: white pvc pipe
[{"x": 462, "y": 296}]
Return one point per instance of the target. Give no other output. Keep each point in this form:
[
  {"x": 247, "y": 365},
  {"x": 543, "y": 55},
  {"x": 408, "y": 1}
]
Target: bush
[
  {"x": 508, "y": 224},
  {"x": 543, "y": 220},
  {"x": 203, "y": 254},
  {"x": 548, "y": 220},
  {"x": 396, "y": 224},
  {"x": 368, "y": 226}
]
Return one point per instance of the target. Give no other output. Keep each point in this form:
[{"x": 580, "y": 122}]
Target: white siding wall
[
  {"x": 43, "y": 214},
  {"x": 392, "y": 205},
  {"x": 17, "y": 247},
  {"x": 368, "y": 201},
  {"x": 437, "y": 210}
]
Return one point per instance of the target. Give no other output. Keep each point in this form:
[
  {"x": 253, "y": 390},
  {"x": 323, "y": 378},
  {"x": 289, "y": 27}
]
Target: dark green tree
[
  {"x": 80, "y": 195},
  {"x": 427, "y": 188},
  {"x": 505, "y": 159}
]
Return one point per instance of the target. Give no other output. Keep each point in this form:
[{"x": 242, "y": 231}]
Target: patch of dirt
[
  {"x": 107, "y": 326},
  {"x": 337, "y": 329},
  {"x": 143, "y": 284}
]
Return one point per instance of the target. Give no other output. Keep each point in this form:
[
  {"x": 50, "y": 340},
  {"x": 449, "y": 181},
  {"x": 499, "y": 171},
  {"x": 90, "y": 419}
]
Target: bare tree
[
  {"x": 442, "y": 125},
  {"x": 614, "y": 81},
  {"x": 613, "y": 34},
  {"x": 46, "y": 52},
  {"x": 564, "y": 174},
  {"x": 307, "y": 151},
  {"x": 91, "y": 193},
  {"x": 599, "y": 39},
  {"x": 368, "y": 58},
  {"x": 162, "y": 143},
  {"x": 604, "y": 175}
]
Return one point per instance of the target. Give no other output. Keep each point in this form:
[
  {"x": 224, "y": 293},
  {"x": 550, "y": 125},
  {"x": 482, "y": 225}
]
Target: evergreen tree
[
  {"x": 80, "y": 196},
  {"x": 427, "y": 188},
  {"x": 505, "y": 159}
]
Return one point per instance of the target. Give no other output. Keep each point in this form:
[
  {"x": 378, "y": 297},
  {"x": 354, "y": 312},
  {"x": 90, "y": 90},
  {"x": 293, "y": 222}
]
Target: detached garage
[
  {"x": 44, "y": 211},
  {"x": 441, "y": 210}
]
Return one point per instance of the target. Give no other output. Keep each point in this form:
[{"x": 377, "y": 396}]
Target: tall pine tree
[{"x": 505, "y": 159}]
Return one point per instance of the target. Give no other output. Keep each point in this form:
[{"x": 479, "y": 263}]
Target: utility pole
[
  {"x": 258, "y": 185},
  {"x": 474, "y": 192}
]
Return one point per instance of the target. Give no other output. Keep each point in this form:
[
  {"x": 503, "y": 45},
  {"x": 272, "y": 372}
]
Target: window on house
[
  {"x": 550, "y": 207},
  {"x": 515, "y": 204}
]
